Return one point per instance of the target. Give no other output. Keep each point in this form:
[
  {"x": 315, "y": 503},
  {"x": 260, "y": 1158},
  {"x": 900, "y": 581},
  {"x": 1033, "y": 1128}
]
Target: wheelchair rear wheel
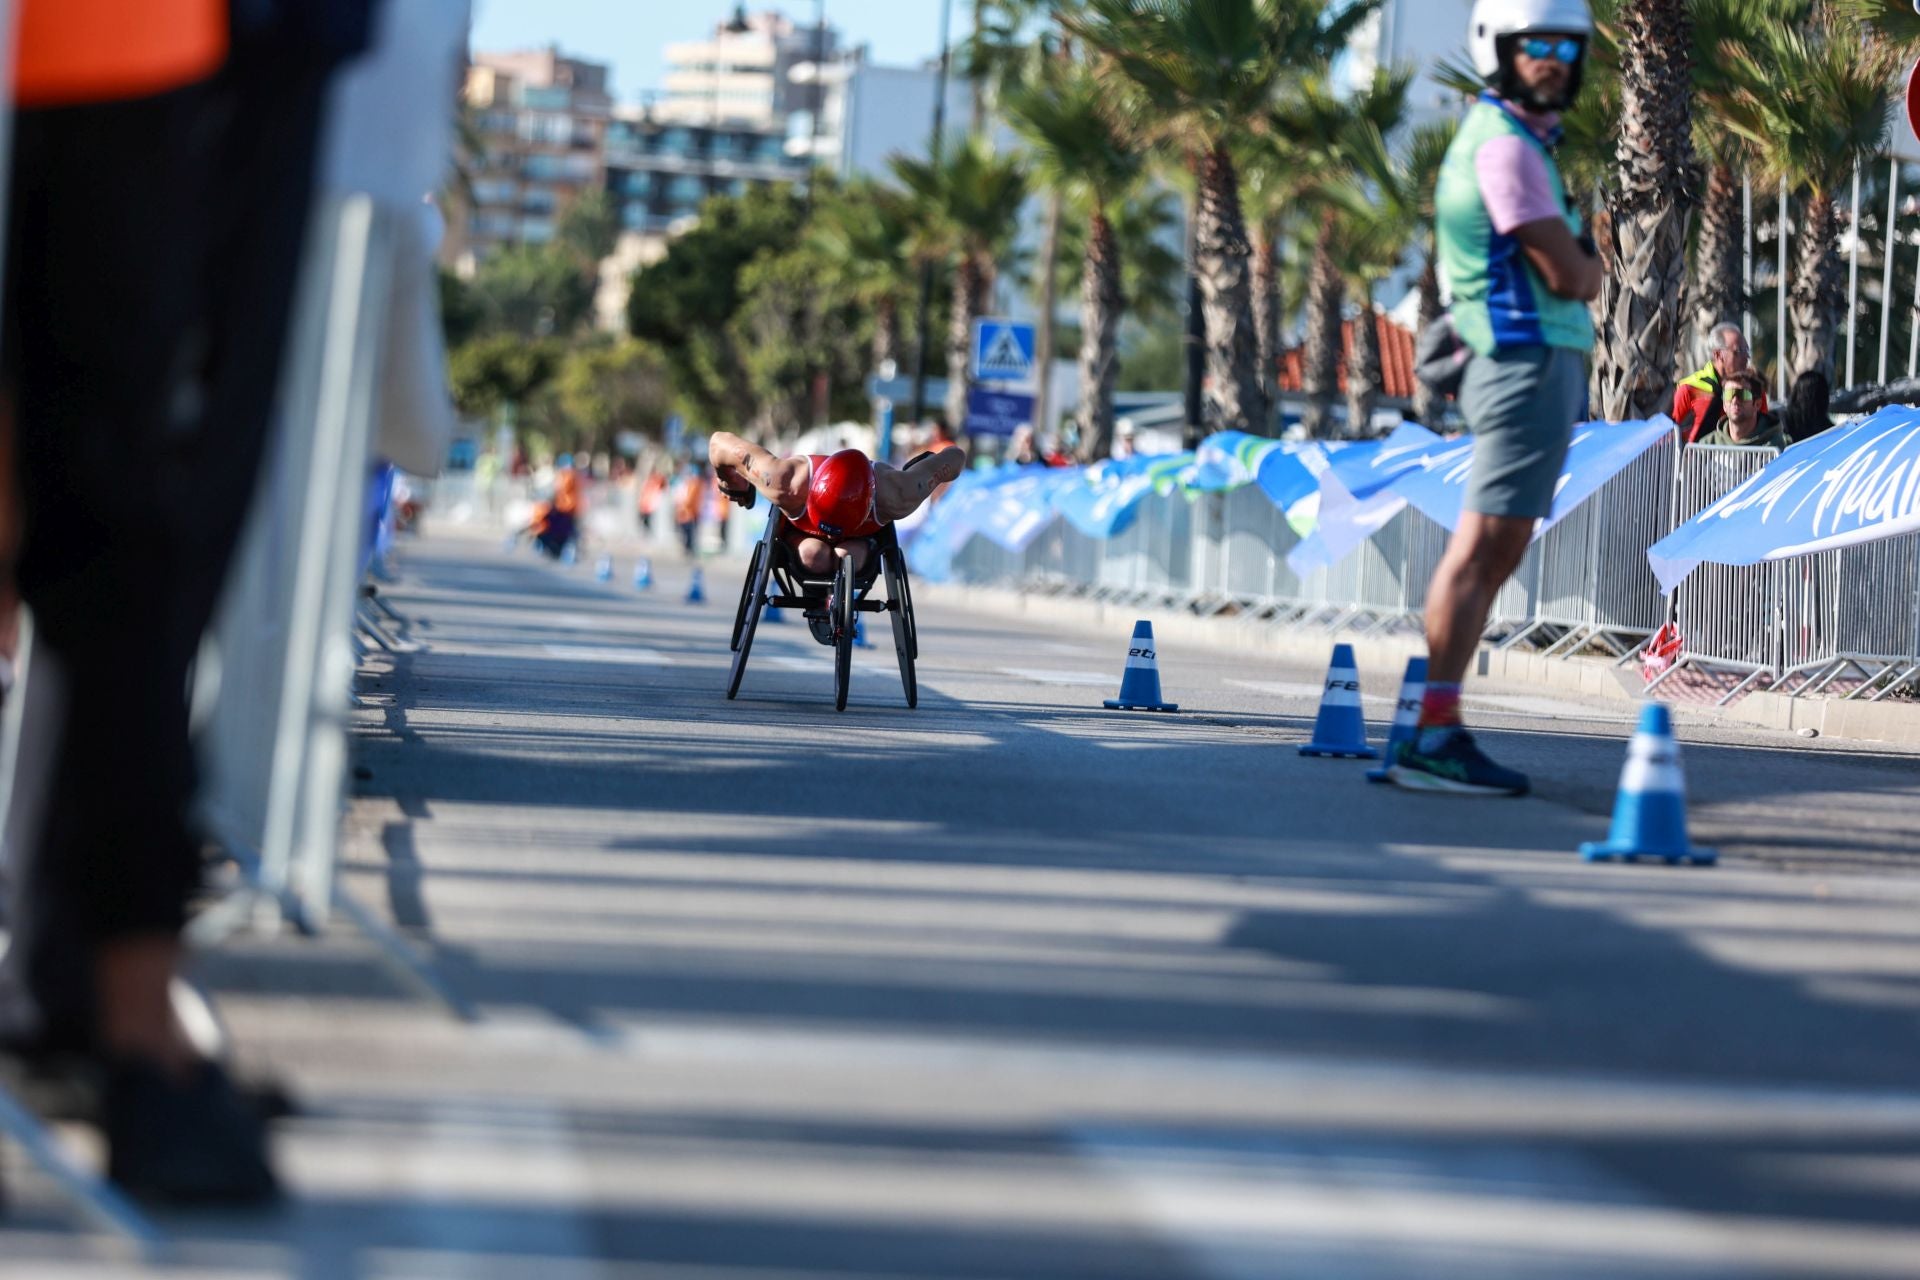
[
  {"x": 900, "y": 607},
  {"x": 753, "y": 599},
  {"x": 842, "y": 605}
]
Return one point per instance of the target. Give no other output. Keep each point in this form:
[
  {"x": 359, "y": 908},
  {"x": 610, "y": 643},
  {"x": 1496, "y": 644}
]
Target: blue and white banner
[
  {"x": 1290, "y": 477},
  {"x": 1022, "y": 505},
  {"x": 1437, "y": 487},
  {"x": 1358, "y": 495},
  {"x": 1855, "y": 483},
  {"x": 1228, "y": 460},
  {"x": 1108, "y": 495}
]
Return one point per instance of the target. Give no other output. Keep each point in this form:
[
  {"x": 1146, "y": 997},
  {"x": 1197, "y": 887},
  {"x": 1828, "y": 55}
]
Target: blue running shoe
[{"x": 1456, "y": 766}]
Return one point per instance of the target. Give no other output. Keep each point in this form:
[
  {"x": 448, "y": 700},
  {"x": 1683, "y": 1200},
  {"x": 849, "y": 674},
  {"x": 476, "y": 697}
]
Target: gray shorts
[{"x": 1521, "y": 404}]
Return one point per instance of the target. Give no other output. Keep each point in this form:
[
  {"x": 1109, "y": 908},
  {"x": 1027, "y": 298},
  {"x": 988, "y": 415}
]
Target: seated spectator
[
  {"x": 1697, "y": 406},
  {"x": 1745, "y": 422},
  {"x": 1807, "y": 414}
]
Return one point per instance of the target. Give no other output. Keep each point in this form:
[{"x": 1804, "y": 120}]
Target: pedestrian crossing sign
[{"x": 1002, "y": 351}]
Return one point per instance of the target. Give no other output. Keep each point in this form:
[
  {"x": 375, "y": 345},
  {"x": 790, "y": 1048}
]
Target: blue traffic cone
[
  {"x": 1406, "y": 715},
  {"x": 568, "y": 555},
  {"x": 512, "y": 543},
  {"x": 1650, "y": 811},
  {"x": 603, "y": 570},
  {"x": 697, "y": 588},
  {"x": 1140, "y": 682},
  {"x": 643, "y": 574},
  {"x": 772, "y": 615},
  {"x": 1340, "y": 730},
  {"x": 860, "y": 640}
]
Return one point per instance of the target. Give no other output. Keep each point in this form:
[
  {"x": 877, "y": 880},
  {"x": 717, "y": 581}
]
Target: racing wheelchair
[{"x": 776, "y": 579}]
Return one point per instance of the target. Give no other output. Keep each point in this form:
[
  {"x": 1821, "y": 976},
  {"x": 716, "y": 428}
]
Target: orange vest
[{"x": 77, "y": 51}]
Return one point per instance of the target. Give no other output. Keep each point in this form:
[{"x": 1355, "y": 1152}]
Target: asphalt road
[{"x": 1015, "y": 988}]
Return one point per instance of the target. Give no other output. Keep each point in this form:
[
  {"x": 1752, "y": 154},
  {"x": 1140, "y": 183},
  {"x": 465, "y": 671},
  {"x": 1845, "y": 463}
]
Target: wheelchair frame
[{"x": 775, "y": 579}]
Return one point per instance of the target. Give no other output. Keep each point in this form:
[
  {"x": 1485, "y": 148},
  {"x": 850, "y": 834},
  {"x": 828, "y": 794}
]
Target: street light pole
[{"x": 926, "y": 268}]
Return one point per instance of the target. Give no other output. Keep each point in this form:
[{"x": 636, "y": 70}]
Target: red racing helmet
[{"x": 840, "y": 499}]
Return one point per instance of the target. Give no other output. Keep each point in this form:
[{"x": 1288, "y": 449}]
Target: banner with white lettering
[
  {"x": 1437, "y": 485},
  {"x": 1858, "y": 482}
]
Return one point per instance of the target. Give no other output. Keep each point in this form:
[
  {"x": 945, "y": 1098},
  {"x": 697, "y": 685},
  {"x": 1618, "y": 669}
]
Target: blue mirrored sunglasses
[{"x": 1538, "y": 48}]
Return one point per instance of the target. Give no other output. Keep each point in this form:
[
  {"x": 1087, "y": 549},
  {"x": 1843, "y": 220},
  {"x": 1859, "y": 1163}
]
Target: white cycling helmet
[{"x": 1495, "y": 20}]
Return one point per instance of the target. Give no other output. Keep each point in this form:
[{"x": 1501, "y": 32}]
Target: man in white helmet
[{"x": 1521, "y": 274}]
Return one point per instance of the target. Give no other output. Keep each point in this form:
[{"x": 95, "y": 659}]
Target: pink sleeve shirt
[{"x": 1514, "y": 183}]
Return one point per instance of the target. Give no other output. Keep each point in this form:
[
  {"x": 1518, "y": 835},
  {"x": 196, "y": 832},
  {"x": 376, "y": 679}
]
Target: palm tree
[
  {"x": 1386, "y": 210},
  {"x": 859, "y": 236},
  {"x": 968, "y": 208},
  {"x": 1815, "y": 105},
  {"x": 1274, "y": 189},
  {"x": 1202, "y": 70},
  {"x": 1084, "y": 152},
  {"x": 1649, "y": 205},
  {"x": 1722, "y": 33},
  {"x": 1326, "y": 131}
]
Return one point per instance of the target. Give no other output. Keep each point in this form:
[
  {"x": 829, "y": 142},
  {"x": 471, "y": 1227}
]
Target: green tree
[
  {"x": 792, "y": 333},
  {"x": 1816, "y": 104},
  {"x": 533, "y": 291},
  {"x": 1649, "y": 203},
  {"x": 684, "y": 303},
  {"x": 1204, "y": 71},
  {"x": 859, "y": 238},
  {"x": 611, "y": 386},
  {"x": 1086, "y": 154},
  {"x": 1321, "y": 134},
  {"x": 490, "y": 373},
  {"x": 590, "y": 228},
  {"x": 967, "y": 209}
]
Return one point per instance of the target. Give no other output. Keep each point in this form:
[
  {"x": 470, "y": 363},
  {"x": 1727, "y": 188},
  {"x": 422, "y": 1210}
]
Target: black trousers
[{"x": 153, "y": 248}]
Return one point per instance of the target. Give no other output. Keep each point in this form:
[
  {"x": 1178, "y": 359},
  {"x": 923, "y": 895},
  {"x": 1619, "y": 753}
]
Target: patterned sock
[{"x": 1439, "y": 713}]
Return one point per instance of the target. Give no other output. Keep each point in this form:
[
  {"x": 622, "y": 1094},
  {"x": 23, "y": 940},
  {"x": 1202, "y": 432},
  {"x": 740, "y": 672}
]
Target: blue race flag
[
  {"x": 1107, "y": 495},
  {"x": 1858, "y": 482},
  {"x": 1228, "y": 460},
  {"x": 1437, "y": 487}
]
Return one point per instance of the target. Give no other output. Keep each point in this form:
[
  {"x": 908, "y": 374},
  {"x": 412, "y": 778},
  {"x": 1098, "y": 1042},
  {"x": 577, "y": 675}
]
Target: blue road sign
[
  {"x": 997, "y": 413},
  {"x": 1002, "y": 351}
]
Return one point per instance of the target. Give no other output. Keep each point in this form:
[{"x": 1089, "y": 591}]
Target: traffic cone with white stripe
[
  {"x": 643, "y": 574},
  {"x": 569, "y": 555},
  {"x": 603, "y": 569},
  {"x": 1406, "y": 715},
  {"x": 1140, "y": 682},
  {"x": 860, "y": 640},
  {"x": 1650, "y": 811},
  {"x": 1340, "y": 730},
  {"x": 697, "y": 587}
]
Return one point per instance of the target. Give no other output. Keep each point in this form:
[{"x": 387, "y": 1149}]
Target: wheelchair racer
[{"x": 834, "y": 503}]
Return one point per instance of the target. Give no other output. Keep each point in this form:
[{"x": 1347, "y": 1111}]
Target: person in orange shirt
[
  {"x": 162, "y": 175},
  {"x": 692, "y": 492}
]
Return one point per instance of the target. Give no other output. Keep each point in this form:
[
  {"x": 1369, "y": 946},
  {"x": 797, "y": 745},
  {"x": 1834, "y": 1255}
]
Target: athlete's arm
[
  {"x": 899, "y": 493},
  {"x": 1568, "y": 269},
  {"x": 783, "y": 481}
]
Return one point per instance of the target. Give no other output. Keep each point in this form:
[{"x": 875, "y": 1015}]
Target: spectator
[
  {"x": 163, "y": 167},
  {"x": 1697, "y": 406},
  {"x": 1745, "y": 422},
  {"x": 556, "y": 522},
  {"x": 652, "y": 490},
  {"x": 688, "y": 499},
  {"x": 1807, "y": 414}
]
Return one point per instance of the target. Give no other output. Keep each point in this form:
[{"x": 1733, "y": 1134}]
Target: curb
[{"x": 1897, "y": 723}]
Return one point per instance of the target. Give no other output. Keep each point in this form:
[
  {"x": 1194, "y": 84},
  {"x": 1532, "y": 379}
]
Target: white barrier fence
[{"x": 1847, "y": 619}]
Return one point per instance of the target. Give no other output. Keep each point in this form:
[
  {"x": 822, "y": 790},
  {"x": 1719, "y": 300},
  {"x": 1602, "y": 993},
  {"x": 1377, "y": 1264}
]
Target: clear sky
[{"x": 633, "y": 34}]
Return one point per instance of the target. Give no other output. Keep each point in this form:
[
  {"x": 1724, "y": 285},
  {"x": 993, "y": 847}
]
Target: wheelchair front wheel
[
  {"x": 747, "y": 591},
  {"x": 842, "y": 633}
]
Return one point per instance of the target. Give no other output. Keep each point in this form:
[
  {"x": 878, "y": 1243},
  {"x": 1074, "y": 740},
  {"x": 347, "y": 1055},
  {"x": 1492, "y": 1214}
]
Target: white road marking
[
  {"x": 818, "y": 666},
  {"x": 1039, "y": 676},
  {"x": 1296, "y": 689},
  {"x": 590, "y": 653},
  {"x": 1552, "y": 708}
]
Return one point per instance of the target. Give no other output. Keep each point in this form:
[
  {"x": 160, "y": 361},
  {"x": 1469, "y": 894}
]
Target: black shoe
[
  {"x": 821, "y": 626},
  {"x": 199, "y": 1142},
  {"x": 1454, "y": 765}
]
